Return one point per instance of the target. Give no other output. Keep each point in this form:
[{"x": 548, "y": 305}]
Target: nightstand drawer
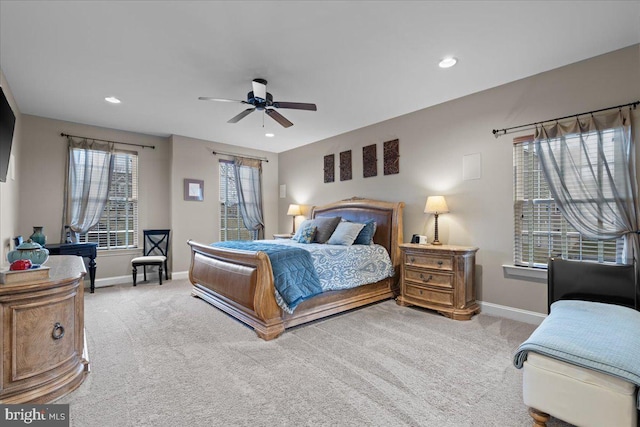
[
  {"x": 425, "y": 277},
  {"x": 429, "y": 261},
  {"x": 429, "y": 295}
]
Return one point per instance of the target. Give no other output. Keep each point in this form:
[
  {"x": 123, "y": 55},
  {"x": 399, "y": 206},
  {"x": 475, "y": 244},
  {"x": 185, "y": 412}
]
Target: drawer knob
[
  {"x": 412, "y": 260},
  {"x": 58, "y": 331},
  {"x": 440, "y": 263},
  {"x": 427, "y": 279}
]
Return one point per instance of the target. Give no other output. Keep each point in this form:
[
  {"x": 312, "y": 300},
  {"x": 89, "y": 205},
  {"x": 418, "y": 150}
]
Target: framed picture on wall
[
  {"x": 329, "y": 168},
  {"x": 194, "y": 189}
]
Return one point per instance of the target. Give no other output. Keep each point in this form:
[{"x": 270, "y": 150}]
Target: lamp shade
[
  {"x": 436, "y": 205},
  {"x": 294, "y": 210}
]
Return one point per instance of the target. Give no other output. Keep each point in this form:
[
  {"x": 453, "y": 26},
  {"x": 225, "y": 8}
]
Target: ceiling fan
[{"x": 260, "y": 100}]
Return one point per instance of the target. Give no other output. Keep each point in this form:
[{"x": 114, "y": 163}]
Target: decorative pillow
[
  {"x": 303, "y": 224},
  {"x": 326, "y": 227},
  {"x": 307, "y": 233},
  {"x": 345, "y": 233},
  {"x": 366, "y": 234}
]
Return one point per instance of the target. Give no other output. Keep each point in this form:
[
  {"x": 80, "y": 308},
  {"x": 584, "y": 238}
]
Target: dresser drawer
[
  {"x": 431, "y": 278},
  {"x": 429, "y": 261},
  {"x": 44, "y": 335},
  {"x": 429, "y": 295}
]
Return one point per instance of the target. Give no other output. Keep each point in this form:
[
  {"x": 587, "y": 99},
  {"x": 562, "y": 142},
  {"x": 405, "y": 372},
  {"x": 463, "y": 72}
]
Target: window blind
[
  {"x": 540, "y": 231},
  {"x": 118, "y": 225}
]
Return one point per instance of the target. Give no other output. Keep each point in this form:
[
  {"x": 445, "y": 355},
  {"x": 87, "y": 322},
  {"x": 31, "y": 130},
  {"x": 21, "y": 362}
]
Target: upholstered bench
[
  {"x": 579, "y": 396},
  {"x": 582, "y": 364}
]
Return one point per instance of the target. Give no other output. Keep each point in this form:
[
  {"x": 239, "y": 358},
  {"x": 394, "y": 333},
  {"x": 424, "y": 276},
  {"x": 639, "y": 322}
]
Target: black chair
[{"x": 155, "y": 249}]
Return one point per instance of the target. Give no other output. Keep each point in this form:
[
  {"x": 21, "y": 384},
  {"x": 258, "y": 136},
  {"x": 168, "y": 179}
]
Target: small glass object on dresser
[{"x": 38, "y": 236}]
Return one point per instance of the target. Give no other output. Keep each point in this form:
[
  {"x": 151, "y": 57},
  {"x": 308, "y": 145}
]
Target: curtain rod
[
  {"x": 106, "y": 140},
  {"x": 496, "y": 132},
  {"x": 262, "y": 159}
]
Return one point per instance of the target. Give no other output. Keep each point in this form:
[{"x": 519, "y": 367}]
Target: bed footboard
[{"x": 239, "y": 283}]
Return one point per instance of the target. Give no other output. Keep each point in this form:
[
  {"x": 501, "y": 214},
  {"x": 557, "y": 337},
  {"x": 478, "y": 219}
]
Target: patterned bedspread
[
  {"x": 337, "y": 267},
  {"x": 344, "y": 267}
]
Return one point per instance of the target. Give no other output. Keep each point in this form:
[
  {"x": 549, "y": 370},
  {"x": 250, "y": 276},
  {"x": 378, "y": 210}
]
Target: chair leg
[
  {"x": 166, "y": 270},
  {"x": 145, "y": 272},
  {"x": 160, "y": 273},
  {"x": 135, "y": 273}
]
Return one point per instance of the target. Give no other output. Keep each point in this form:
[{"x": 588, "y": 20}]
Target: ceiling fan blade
[
  {"x": 278, "y": 118},
  {"x": 296, "y": 105},
  {"x": 208, "y": 98},
  {"x": 259, "y": 88},
  {"x": 242, "y": 115}
]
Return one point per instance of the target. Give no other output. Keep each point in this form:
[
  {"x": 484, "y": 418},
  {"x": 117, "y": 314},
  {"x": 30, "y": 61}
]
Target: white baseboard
[
  {"x": 110, "y": 281},
  {"x": 179, "y": 275},
  {"x": 512, "y": 313},
  {"x": 124, "y": 280}
]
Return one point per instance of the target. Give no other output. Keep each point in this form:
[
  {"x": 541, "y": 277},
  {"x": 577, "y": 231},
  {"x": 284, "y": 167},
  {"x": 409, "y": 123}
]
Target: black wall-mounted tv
[{"x": 7, "y": 124}]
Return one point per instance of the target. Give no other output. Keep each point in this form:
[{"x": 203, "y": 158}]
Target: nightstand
[
  {"x": 283, "y": 236},
  {"x": 439, "y": 278}
]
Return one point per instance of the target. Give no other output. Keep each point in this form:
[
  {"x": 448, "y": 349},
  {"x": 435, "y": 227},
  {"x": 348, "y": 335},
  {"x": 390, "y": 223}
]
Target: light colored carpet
[{"x": 160, "y": 357}]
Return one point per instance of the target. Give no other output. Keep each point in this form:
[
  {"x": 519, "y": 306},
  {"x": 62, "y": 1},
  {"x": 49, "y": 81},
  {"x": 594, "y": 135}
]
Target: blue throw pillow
[
  {"x": 302, "y": 226},
  {"x": 366, "y": 234},
  {"x": 307, "y": 234}
]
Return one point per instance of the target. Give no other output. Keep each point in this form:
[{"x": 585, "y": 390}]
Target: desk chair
[{"x": 155, "y": 249}]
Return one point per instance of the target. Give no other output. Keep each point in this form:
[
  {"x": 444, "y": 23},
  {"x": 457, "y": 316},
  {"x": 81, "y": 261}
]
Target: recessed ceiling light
[
  {"x": 448, "y": 62},
  {"x": 112, "y": 99},
  {"x": 269, "y": 135}
]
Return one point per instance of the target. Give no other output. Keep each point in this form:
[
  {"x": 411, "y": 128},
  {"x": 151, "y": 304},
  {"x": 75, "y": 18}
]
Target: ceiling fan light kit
[{"x": 262, "y": 100}]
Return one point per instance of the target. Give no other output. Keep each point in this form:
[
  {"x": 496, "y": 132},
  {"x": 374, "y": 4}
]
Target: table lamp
[
  {"x": 294, "y": 210},
  {"x": 436, "y": 205}
]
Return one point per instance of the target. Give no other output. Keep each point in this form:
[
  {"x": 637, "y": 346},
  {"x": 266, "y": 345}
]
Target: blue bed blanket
[
  {"x": 294, "y": 276},
  {"x": 597, "y": 336}
]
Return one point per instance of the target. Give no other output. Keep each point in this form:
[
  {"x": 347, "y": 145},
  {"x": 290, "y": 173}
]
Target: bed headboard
[
  {"x": 387, "y": 215},
  {"x": 590, "y": 281}
]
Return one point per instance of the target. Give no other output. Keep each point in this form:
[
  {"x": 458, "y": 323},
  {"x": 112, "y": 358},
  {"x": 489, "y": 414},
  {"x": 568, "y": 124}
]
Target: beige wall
[
  {"x": 432, "y": 145},
  {"x": 9, "y": 194},
  {"x": 41, "y": 171},
  {"x": 199, "y": 221}
]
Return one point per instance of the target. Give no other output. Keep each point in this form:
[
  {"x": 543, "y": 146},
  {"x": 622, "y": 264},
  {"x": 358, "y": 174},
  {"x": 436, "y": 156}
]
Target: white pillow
[{"x": 345, "y": 233}]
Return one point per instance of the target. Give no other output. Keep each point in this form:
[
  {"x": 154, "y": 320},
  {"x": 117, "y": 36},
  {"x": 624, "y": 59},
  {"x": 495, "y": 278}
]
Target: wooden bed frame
[{"x": 240, "y": 283}]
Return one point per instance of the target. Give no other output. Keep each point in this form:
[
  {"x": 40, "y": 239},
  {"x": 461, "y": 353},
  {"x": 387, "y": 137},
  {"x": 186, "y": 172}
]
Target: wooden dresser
[
  {"x": 440, "y": 278},
  {"x": 42, "y": 344}
]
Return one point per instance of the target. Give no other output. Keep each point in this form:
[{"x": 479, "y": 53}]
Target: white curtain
[
  {"x": 591, "y": 170},
  {"x": 249, "y": 184},
  {"x": 87, "y": 185}
]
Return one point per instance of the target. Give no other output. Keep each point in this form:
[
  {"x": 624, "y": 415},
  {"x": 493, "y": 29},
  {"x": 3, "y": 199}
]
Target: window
[
  {"x": 118, "y": 225},
  {"x": 231, "y": 223},
  {"x": 540, "y": 229}
]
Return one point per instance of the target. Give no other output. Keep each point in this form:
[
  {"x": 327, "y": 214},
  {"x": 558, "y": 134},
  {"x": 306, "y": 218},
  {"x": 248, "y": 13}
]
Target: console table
[{"x": 85, "y": 250}]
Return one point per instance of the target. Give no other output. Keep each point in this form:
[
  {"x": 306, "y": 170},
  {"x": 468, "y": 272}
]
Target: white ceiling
[{"x": 360, "y": 62}]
